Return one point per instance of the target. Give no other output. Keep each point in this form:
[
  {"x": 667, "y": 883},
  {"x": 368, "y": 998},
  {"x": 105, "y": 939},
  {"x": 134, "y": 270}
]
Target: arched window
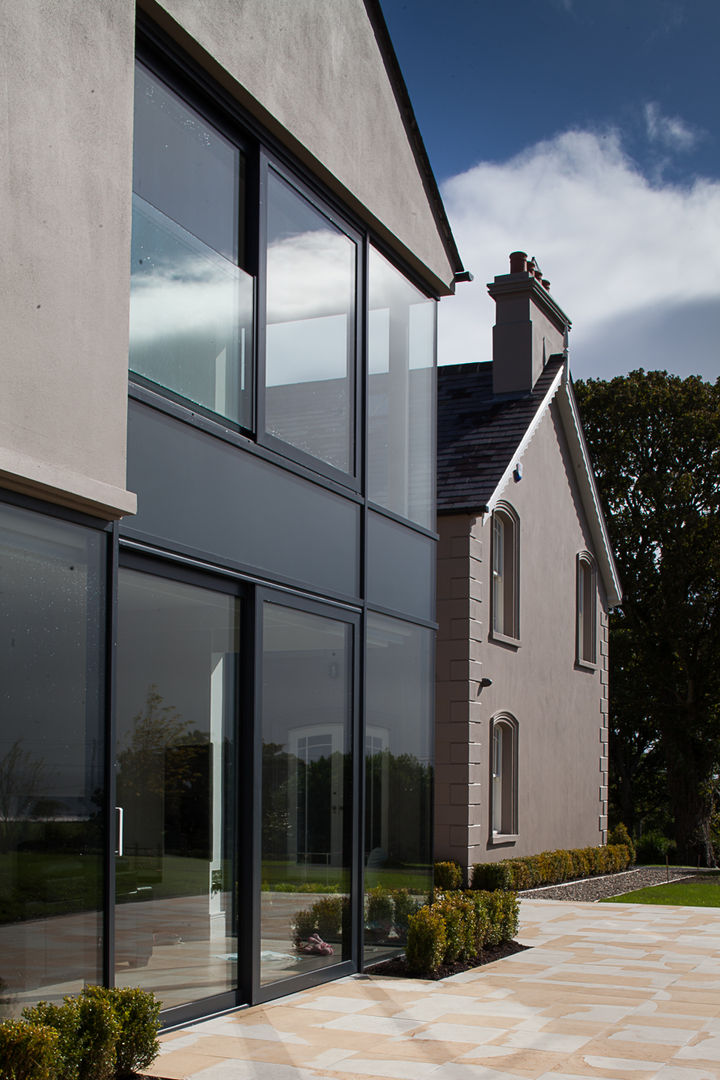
[
  {"x": 503, "y": 775},
  {"x": 586, "y": 620},
  {"x": 505, "y": 573}
]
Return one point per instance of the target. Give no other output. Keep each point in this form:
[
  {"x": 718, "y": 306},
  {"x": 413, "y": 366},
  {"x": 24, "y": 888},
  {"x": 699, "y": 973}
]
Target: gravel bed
[{"x": 592, "y": 889}]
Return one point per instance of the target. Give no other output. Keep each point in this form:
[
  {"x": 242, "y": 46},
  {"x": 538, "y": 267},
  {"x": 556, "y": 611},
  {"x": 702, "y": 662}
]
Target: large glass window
[
  {"x": 191, "y": 302},
  {"x": 176, "y": 891},
  {"x": 306, "y": 792},
  {"x": 310, "y": 335},
  {"x": 398, "y": 780},
  {"x": 401, "y": 422},
  {"x": 51, "y": 757}
]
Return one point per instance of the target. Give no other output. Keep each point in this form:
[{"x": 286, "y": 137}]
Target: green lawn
[{"x": 704, "y": 893}]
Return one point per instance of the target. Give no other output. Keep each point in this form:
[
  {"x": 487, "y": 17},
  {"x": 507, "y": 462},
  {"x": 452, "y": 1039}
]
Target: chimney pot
[
  {"x": 518, "y": 262},
  {"x": 546, "y": 283}
]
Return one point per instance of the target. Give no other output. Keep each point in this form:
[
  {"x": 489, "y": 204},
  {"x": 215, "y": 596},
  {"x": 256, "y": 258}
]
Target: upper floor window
[
  {"x": 586, "y": 621},
  {"x": 401, "y": 420},
  {"x": 310, "y": 335},
  {"x": 247, "y": 296},
  {"x": 191, "y": 313},
  {"x": 505, "y": 574}
]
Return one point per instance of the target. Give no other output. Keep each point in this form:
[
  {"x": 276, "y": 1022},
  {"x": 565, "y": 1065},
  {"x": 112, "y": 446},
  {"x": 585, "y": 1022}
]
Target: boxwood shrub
[
  {"x": 550, "y": 868},
  {"x": 458, "y": 925}
]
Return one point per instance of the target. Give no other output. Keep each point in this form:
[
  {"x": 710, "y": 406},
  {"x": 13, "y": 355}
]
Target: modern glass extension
[{"x": 216, "y": 715}]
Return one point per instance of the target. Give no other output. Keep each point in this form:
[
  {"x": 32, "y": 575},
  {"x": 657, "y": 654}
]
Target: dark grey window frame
[
  {"x": 157, "y": 51},
  {"x": 270, "y": 991}
]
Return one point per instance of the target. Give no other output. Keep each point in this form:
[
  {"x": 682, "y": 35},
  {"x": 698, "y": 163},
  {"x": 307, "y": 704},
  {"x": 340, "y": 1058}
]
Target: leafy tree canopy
[{"x": 654, "y": 440}]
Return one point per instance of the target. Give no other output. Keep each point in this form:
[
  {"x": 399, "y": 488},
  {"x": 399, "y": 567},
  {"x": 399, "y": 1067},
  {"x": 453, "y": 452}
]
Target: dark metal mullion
[
  {"x": 361, "y": 809},
  {"x": 261, "y": 295},
  {"x": 111, "y": 830},
  {"x": 253, "y": 893},
  {"x": 247, "y": 781}
]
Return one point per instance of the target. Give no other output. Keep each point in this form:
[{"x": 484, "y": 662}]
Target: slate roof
[{"x": 478, "y": 434}]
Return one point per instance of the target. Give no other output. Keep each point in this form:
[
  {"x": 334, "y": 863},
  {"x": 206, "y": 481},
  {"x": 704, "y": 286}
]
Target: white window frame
[
  {"x": 503, "y": 778},
  {"x": 505, "y": 575}
]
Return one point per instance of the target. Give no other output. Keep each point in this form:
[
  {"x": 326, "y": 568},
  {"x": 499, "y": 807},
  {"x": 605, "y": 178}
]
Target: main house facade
[
  {"x": 217, "y": 562},
  {"x": 526, "y": 578}
]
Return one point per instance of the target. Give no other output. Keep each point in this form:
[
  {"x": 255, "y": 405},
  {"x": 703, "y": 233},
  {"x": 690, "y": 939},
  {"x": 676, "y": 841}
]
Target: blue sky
[{"x": 587, "y": 133}]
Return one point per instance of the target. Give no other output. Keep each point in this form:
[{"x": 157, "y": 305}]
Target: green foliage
[
  {"x": 654, "y": 440},
  {"x": 328, "y": 917},
  {"x": 303, "y": 924},
  {"x": 620, "y": 835},
  {"x": 549, "y": 868},
  {"x": 380, "y": 908},
  {"x": 405, "y": 905},
  {"x": 503, "y": 913},
  {"x": 28, "y": 1051},
  {"x": 653, "y": 847},
  {"x": 137, "y": 1015},
  {"x": 448, "y": 875},
  {"x": 87, "y": 1035},
  {"x": 459, "y": 915},
  {"x": 491, "y": 876},
  {"x": 427, "y": 941},
  {"x": 682, "y": 893}
]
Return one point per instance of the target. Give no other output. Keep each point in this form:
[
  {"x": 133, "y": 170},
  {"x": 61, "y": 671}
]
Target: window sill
[
  {"x": 497, "y": 839},
  {"x": 504, "y": 639},
  {"x": 586, "y": 665}
]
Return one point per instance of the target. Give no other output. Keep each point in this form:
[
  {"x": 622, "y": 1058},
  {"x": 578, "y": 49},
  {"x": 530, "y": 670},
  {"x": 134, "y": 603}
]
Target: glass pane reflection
[
  {"x": 398, "y": 780},
  {"x": 175, "y": 920},
  {"x": 401, "y": 357},
  {"x": 190, "y": 317},
  {"x": 51, "y": 758},
  {"x": 306, "y": 792},
  {"x": 310, "y": 345}
]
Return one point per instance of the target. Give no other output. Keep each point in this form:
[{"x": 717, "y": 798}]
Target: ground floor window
[
  {"x": 52, "y": 788},
  {"x": 398, "y": 780},
  {"x": 503, "y": 786},
  {"x": 198, "y": 774}
]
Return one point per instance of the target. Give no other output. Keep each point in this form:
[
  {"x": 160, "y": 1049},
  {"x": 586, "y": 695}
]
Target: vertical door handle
[{"x": 120, "y": 849}]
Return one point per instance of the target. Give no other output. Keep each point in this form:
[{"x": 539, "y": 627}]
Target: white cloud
[
  {"x": 669, "y": 131},
  {"x": 617, "y": 250}
]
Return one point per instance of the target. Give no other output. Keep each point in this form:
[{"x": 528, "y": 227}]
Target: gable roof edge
[
  {"x": 404, "y": 104},
  {"x": 570, "y": 415},
  {"x": 527, "y": 437}
]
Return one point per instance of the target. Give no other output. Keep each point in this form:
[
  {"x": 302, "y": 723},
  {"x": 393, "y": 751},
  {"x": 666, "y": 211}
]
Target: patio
[{"x": 614, "y": 992}]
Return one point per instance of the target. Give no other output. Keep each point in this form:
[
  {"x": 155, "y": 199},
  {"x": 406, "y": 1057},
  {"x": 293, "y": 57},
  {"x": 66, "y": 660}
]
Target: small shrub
[
  {"x": 481, "y": 922},
  {"x": 87, "y": 1034},
  {"x": 28, "y": 1051},
  {"x": 653, "y": 847},
  {"x": 380, "y": 908},
  {"x": 328, "y": 917},
  {"x": 459, "y": 917},
  {"x": 303, "y": 925},
  {"x": 137, "y": 1013},
  {"x": 491, "y": 876},
  {"x": 580, "y": 865},
  {"x": 503, "y": 914},
  {"x": 426, "y": 943},
  {"x": 620, "y": 835},
  {"x": 448, "y": 875},
  {"x": 405, "y": 905}
]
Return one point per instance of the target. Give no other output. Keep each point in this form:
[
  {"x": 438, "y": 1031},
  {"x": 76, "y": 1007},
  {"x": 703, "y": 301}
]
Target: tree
[{"x": 654, "y": 440}]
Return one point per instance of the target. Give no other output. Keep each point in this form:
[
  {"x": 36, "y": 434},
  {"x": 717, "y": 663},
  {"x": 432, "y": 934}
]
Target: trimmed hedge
[
  {"x": 550, "y": 868},
  {"x": 99, "y": 1035},
  {"x": 458, "y": 926},
  {"x": 448, "y": 875}
]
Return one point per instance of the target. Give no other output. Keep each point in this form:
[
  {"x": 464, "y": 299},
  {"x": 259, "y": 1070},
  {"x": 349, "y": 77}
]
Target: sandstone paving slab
[{"x": 620, "y": 992}]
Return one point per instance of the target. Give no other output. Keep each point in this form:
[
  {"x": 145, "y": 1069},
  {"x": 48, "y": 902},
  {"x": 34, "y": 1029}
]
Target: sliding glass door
[
  {"x": 176, "y": 818},
  {"x": 307, "y": 784}
]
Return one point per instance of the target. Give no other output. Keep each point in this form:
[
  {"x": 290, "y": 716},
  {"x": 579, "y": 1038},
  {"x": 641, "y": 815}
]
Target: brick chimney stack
[{"x": 529, "y": 326}]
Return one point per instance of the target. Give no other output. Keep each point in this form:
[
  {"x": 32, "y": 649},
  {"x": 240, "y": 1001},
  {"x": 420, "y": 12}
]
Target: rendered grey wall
[
  {"x": 65, "y": 144},
  {"x": 561, "y": 710},
  {"x": 312, "y": 72}
]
